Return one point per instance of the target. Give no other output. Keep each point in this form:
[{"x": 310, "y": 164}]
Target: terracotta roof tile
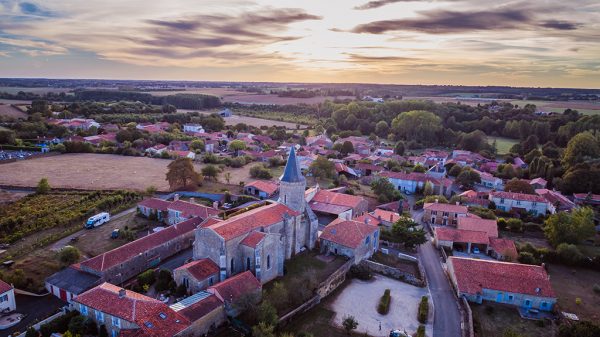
[
  {"x": 189, "y": 209},
  {"x": 200, "y": 269},
  {"x": 517, "y": 196},
  {"x": 504, "y": 246},
  {"x": 461, "y": 235},
  {"x": 386, "y": 215},
  {"x": 253, "y": 239},
  {"x": 155, "y": 203},
  {"x": 236, "y": 286},
  {"x": 201, "y": 308},
  {"x": 440, "y": 207},
  {"x": 478, "y": 224},
  {"x": 474, "y": 275},
  {"x": 341, "y": 199},
  {"x": 347, "y": 233},
  {"x": 4, "y": 287},
  {"x": 269, "y": 187}
]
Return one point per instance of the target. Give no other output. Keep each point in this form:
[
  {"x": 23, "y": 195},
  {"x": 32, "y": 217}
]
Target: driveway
[
  {"x": 360, "y": 299},
  {"x": 447, "y": 319}
]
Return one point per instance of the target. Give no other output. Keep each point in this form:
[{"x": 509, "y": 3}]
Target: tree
[
  {"x": 384, "y": 190},
  {"x": 267, "y": 313},
  {"x": 518, "y": 186},
  {"x": 181, "y": 174},
  {"x": 102, "y": 331},
  {"x": 77, "y": 325},
  {"x": 322, "y": 168},
  {"x": 418, "y": 125},
  {"x": 43, "y": 187},
  {"x": 7, "y": 136},
  {"x": 210, "y": 172},
  {"x": 260, "y": 172},
  {"x": 582, "y": 147},
  {"x": 227, "y": 177},
  {"x": 237, "y": 146},
  {"x": 150, "y": 190},
  {"x": 399, "y": 148},
  {"x": 428, "y": 188},
  {"x": 419, "y": 168},
  {"x": 569, "y": 253},
  {"x": 197, "y": 145},
  {"x": 468, "y": 178},
  {"x": 279, "y": 296},
  {"x": 579, "y": 329},
  {"x": 349, "y": 323},
  {"x": 263, "y": 330},
  {"x": 69, "y": 255},
  {"x": 571, "y": 227},
  {"x": 31, "y": 332},
  {"x": 347, "y": 147},
  {"x": 405, "y": 231},
  {"x": 382, "y": 129},
  {"x": 455, "y": 171}
]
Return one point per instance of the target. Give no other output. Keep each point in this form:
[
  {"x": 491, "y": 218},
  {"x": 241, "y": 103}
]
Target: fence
[
  {"x": 394, "y": 273},
  {"x": 467, "y": 331}
]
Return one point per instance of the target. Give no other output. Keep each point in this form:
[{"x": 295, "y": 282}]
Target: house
[
  {"x": 157, "y": 149},
  {"x": 235, "y": 288},
  {"x": 320, "y": 141},
  {"x": 366, "y": 169},
  {"x": 398, "y": 206},
  {"x": 524, "y": 286},
  {"x": 342, "y": 169},
  {"x": 182, "y": 154},
  {"x": 75, "y": 123},
  {"x": 333, "y": 204},
  {"x": 508, "y": 201},
  {"x": 538, "y": 183},
  {"x": 475, "y": 223},
  {"x": 122, "y": 263},
  {"x": 263, "y": 189},
  {"x": 71, "y": 282},
  {"x": 385, "y": 218},
  {"x": 354, "y": 239},
  {"x": 503, "y": 249},
  {"x": 587, "y": 199},
  {"x": 126, "y": 313},
  {"x": 7, "y": 298},
  {"x": 556, "y": 201},
  {"x": 204, "y": 310},
  {"x": 489, "y": 181},
  {"x": 225, "y": 113},
  {"x": 180, "y": 210},
  {"x": 154, "y": 207},
  {"x": 411, "y": 183},
  {"x": 461, "y": 239},
  {"x": 475, "y": 198},
  {"x": 197, "y": 275},
  {"x": 193, "y": 128},
  {"x": 443, "y": 214},
  {"x": 437, "y": 171}
]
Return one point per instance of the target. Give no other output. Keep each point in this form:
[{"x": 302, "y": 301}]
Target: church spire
[{"x": 291, "y": 173}]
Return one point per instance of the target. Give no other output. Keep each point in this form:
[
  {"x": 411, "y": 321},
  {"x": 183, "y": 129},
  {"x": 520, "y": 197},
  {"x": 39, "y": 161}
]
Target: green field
[
  {"x": 503, "y": 144},
  {"x": 586, "y": 108}
]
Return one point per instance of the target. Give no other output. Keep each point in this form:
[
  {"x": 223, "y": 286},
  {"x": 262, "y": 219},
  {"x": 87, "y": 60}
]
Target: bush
[
  {"x": 527, "y": 258},
  {"x": 569, "y": 254},
  {"x": 360, "y": 272},
  {"x": 69, "y": 255},
  {"x": 423, "y": 310},
  {"x": 146, "y": 277},
  {"x": 384, "y": 303},
  {"x": 102, "y": 331},
  {"x": 60, "y": 324},
  {"x": 514, "y": 225},
  {"x": 502, "y": 224},
  {"x": 164, "y": 280},
  {"x": 579, "y": 329},
  {"x": 77, "y": 325},
  {"x": 260, "y": 172}
]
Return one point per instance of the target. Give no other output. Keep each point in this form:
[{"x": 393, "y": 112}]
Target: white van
[{"x": 97, "y": 220}]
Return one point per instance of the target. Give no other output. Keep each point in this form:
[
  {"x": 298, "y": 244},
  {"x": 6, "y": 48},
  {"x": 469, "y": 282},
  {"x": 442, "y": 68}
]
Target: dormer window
[{"x": 162, "y": 315}]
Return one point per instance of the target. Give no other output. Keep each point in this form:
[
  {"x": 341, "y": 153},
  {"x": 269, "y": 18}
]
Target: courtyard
[{"x": 360, "y": 299}]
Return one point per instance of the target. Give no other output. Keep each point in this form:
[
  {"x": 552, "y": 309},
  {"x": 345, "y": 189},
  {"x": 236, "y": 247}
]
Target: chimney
[
  {"x": 122, "y": 293},
  {"x": 391, "y": 217},
  {"x": 176, "y": 197},
  {"x": 215, "y": 204},
  {"x": 366, "y": 220}
]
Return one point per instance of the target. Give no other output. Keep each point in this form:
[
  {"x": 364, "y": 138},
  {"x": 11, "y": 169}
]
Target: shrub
[
  {"x": 423, "y": 310},
  {"x": 360, "y": 272},
  {"x": 102, "y": 331},
  {"x": 421, "y": 331},
  {"x": 260, "y": 172},
  {"x": 267, "y": 313},
  {"x": 77, "y": 325},
  {"x": 384, "y": 303},
  {"x": 527, "y": 258},
  {"x": 349, "y": 323},
  {"x": 69, "y": 255},
  {"x": 578, "y": 301},
  {"x": 43, "y": 187},
  {"x": 164, "y": 280},
  {"x": 569, "y": 254},
  {"x": 515, "y": 225},
  {"x": 146, "y": 277},
  {"x": 60, "y": 324},
  {"x": 501, "y": 223}
]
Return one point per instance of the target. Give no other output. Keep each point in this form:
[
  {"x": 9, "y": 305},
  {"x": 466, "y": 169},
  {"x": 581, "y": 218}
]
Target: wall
[
  {"x": 393, "y": 273},
  {"x": 334, "y": 280},
  {"x": 206, "y": 323},
  {"x": 194, "y": 285}
]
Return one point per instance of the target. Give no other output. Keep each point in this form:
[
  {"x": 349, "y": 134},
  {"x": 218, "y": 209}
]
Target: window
[
  {"x": 367, "y": 240},
  {"x": 210, "y": 281},
  {"x": 268, "y": 262},
  {"x": 445, "y": 213},
  {"x": 534, "y": 204},
  {"x": 116, "y": 322},
  {"x": 4, "y": 298},
  {"x": 544, "y": 305},
  {"x": 501, "y": 200},
  {"x": 527, "y": 303},
  {"x": 99, "y": 316},
  {"x": 114, "y": 333},
  {"x": 247, "y": 263},
  {"x": 510, "y": 298},
  {"x": 83, "y": 309},
  {"x": 434, "y": 213},
  {"x": 232, "y": 266},
  {"x": 518, "y": 202}
]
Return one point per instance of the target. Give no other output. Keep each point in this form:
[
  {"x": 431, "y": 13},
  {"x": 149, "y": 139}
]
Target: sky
[{"x": 541, "y": 43}]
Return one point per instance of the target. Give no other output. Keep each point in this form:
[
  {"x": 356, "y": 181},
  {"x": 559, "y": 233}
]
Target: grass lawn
[
  {"x": 495, "y": 323},
  {"x": 318, "y": 322},
  {"x": 570, "y": 283},
  {"x": 503, "y": 144},
  {"x": 309, "y": 261},
  {"x": 393, "y": 261}
]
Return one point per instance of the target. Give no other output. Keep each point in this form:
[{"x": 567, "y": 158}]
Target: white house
[
  {"x": 193, "y": 128},
  {"x": 410, "y": 183},
  {"x": 531, "y": 203},
  {"x": 489, "y": 181},
  {"x": 7, "y": 297}
]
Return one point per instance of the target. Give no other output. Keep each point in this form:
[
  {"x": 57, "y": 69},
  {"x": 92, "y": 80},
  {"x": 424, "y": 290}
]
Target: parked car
[{"x": 115, "y": 233}]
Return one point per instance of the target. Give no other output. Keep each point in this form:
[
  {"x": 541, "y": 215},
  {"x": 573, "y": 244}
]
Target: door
[
  {"x": 499, "y": 298},
  {"x": 63, "y": 295}
]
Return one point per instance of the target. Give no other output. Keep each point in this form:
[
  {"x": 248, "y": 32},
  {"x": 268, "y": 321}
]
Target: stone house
[
  {"x": 262, "y": 189},
  {"x": 443, "y": 214},
  {"x": 530, "y": 203},
  {"x": 197, "y": 275},
  {"x": 353, "y": 239}
]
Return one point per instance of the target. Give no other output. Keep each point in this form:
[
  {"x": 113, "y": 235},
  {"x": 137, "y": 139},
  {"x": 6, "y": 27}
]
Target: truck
[{"x": 97, "y": 220}]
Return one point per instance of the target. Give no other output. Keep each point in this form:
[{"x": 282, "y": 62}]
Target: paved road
[{"x": 58, "y": 245}]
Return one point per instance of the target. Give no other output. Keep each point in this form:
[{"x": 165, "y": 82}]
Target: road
[
  {"x": 58, "y": 245},
  {"x": 447, "y": 320}
]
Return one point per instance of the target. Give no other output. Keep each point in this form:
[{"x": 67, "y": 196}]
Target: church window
[
  {"x": 247, "y": 263},
  {"x": 268, "y": 262},
  {"x": 232, "y": 266}
]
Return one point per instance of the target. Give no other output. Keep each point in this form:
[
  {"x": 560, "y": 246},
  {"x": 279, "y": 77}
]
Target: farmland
[
  {"x": 503, "y": 144},
  {"x": 11, "y": 112},
  {"x": 584, "y": 107},
  {"x": 276, "y": 100},
  {"x": 248, "y": 120},
  {"x": 99, "y": 172}
]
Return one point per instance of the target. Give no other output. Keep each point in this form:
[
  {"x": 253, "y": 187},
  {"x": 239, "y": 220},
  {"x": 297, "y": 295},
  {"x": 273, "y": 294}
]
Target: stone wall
[
  {"x": 334, "y": 280},
  {"x": 467, "y": 316},
  {"x": 393, "y": 273}
]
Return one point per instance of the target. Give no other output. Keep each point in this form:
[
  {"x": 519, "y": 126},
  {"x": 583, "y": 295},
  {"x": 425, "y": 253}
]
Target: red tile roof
[
  {"x": 413, "y": 176},
  {"x": 453, "y": 208},
  {"x": 341, "y": 199},
  {"x": 347, "y": 233},
  {"x": 517, "y": 196},
  {"x": 252, "y": 220},
  {"x": 144, "y": 311},
  {"x": 461, "y": 235},
  {"x": 201, "y": 308},
  {"x": 189, "y": 209},
  {"x": 200, "y": 269},
  {"x": 253, "y": 239},
  {"x": 129, "y": 250},
  {"x": 236, "y": 286},
  {"x": 505, "y": 247},
  {"x": 370, "y": 219},
  {"x": 155, "y": 203},
  {"x": 4, "y": 287},
  {"x": 478, "y": 224},
  {"x": 269, "y": 187},
  {"x": 474, "y": 275},
  {"x": 386, "y": 215},
  {"x": 328, "y": 208}
]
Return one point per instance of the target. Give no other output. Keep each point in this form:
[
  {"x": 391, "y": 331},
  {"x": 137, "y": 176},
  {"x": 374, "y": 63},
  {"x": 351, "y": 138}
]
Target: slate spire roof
[{"x": 291, "y": 173}]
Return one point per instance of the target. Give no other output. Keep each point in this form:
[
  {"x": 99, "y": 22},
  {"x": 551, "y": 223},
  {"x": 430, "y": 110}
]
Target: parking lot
[{"x": 360, "y": 299}]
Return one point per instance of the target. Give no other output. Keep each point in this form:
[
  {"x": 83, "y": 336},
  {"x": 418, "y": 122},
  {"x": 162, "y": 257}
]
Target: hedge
[
  {"x": 421, "y": 331},
  {"x": 423, "y": 310},
  {"x": 17, "y": 148},
  {"x": 384, "y": 303}
]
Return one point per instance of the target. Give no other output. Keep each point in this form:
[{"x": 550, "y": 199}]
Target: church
[{"x": 262, "y": 238}]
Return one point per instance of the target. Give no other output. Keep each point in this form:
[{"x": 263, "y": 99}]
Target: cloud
[
  {"x": 29, "y": 8},
  {"x": 376, "y": 4},
  {"x": 32, "y": 47},
  {"x": 358, "y": 58},
  {"x": 445, "y": 22}
]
